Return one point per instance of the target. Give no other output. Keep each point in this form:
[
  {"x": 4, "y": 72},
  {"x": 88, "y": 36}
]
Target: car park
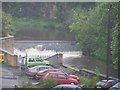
[
  {"x": 115, "y": 87},
  {"x": 31, "y": 71},
  {"x": 105, "y": 84},
  {"x": 67, "y": 87},
  {"x": 63, "y": 78}
]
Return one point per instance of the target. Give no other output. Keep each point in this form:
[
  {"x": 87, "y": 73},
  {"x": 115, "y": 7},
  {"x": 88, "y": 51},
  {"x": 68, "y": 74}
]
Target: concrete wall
[
  {"x": 7, "y": 48},
  {"x": 7, "y": 44},
  {"x": 56, "y": 60}
]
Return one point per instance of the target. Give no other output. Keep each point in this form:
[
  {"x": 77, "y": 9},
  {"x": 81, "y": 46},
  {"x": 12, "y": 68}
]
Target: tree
[
  {"x": 90, "y": 27},
  {"x": 7, "y": 25},
  {"x": 115, "y": 38}
]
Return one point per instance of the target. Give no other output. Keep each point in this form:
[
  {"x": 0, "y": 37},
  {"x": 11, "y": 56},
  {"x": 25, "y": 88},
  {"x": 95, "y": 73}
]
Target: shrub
[
  {"x": 47, "y": 82},
  {"x": 88, "y": 82},
  {"x": 28, "y": 84}
]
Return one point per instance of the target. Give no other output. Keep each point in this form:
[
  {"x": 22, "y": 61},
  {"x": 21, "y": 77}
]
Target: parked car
[
  {"x": 42, "y": 73},
  {"x": 115, "y": 87},
  {"x": 63, "y": 78},
  {"x": 31, "y": 71},
  {"x": 1, "y": 57},
  {"x": 106, "y": 84},
  {"x": 67, "y": 87},
  {"x": 35, "y": 60}
]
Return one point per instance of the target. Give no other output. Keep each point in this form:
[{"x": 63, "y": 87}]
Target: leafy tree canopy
[
  {"x": 7, "y": 25},
  {"x": 91, "y": 27}
]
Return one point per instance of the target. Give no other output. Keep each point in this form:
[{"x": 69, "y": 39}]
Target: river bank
[{"x": 91, "y": 64}]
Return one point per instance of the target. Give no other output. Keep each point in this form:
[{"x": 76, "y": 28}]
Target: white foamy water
[{"x": 46, "y": 53}]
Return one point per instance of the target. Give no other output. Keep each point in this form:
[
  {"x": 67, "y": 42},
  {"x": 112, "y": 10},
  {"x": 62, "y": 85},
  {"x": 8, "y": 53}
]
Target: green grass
[{"x": 38, "y": 24}]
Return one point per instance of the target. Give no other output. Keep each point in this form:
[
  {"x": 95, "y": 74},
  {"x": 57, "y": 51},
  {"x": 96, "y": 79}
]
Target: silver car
[{"x": 33, "y": 70}]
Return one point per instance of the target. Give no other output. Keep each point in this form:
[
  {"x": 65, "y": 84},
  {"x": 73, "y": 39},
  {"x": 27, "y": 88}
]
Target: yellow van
[{"x": 1, "y": 57}]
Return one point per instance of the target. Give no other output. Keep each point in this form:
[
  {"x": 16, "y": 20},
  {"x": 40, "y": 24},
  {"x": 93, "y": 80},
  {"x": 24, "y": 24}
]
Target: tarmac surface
[{"x": 8, "y": 78}]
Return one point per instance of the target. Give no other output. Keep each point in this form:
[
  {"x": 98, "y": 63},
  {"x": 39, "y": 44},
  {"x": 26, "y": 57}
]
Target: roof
[
  {"x": 56, "y": 73},
  {"x": 66, "y": 85},
  {"x": 40, "y": 66}
]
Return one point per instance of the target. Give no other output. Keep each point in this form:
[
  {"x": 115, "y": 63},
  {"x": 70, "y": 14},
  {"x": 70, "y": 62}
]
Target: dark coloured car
[
  {"x": 33, "y": 70},
  {"x": 105, "y": 84},
  {"x": 115, "y": 87},
  {"x": 67, "y": 87}
]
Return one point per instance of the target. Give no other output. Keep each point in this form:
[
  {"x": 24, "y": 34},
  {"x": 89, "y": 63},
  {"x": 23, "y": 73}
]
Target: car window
[
  {"x": 53, "y": 75},
  {"x": 101, "y": 83},
  {"x": 38, "y": 59},
  {"x": 62, "y": 76},
  {"x": 41, "y": 68},
  {"x": 53, "y": 70},
  {"x": 31, "y": 60}
]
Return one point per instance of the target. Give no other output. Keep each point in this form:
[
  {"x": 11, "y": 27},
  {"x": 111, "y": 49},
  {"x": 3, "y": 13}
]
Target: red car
[
  {"x": 42, "y": 73},
  {"x": 63, "y": 78}
]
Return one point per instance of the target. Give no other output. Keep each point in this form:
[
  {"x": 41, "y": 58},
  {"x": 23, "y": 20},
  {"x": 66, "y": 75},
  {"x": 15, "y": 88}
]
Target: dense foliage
[
  {"x": 91, "y": 28},
  {"x": 115, "y": 39},
  {"x": 47, "y": 12},
  {"x": 7, "y": 25},
  {"x": 37, "y": 24}
]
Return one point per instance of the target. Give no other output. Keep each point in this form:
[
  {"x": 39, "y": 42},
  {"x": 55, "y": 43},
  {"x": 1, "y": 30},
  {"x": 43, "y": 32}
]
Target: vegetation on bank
[
  {"x": 39, "y": 24},
  {"x": 91, "y": 30},
  {"x": 7, "y": 24}
]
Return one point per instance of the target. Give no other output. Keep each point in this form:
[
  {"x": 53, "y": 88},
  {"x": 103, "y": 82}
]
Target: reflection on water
[{"x": 39, "y": 35}]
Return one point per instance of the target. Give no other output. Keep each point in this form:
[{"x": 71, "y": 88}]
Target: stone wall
[
  {"x": 7, "y": 48},
  {"x": 56, "y": 60},
  {"x": 7, "y": 44}
]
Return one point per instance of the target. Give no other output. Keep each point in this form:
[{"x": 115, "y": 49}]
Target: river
[{"x": 71, "y": 54}]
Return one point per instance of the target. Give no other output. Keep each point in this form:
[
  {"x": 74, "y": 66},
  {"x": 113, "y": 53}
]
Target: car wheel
[{"x": 72, "y": 83}]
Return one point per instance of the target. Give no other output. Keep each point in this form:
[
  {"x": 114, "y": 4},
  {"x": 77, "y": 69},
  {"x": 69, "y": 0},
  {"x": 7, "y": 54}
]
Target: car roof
[
  {"x": 66, "y": 85},
  {"x": 49, "y": 69},
  {"x": 56, "y": 73},
  {"x": 107, "y": 80},
  {"x": 40, "y": 66}
]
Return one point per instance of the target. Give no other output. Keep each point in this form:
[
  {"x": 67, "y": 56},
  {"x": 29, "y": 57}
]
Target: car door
[
  {"x": 38, "y": 61},
  {"x": 63, "y": 79},
  {"x": 54, "y": 77}
]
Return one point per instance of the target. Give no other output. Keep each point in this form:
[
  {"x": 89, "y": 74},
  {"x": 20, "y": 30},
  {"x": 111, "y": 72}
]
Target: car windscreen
[
  {"x": 101, "y": 83},
  {"x": 31, "y": 60}
]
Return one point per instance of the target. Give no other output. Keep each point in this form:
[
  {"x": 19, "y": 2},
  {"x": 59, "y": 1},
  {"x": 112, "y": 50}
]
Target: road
[{"x": 7, "y": 77}]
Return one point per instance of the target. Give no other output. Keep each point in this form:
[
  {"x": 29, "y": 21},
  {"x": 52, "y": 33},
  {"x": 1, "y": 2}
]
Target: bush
[
  {"x": 28, "y": 84},
  {"x": 47, "y": 82},
  {"x": 87, "y": 82}
]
